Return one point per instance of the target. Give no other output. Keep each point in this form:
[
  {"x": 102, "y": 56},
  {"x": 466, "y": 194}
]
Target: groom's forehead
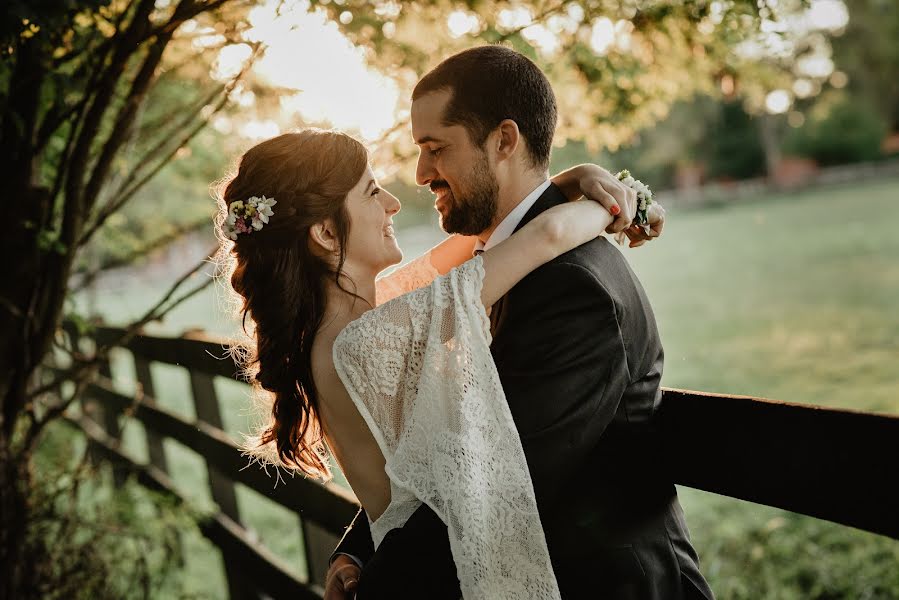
[{"x": 427, "y": 114}]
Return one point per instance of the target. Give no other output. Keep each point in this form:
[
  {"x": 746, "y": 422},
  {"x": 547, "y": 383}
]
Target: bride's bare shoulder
[{"x": 322, "y": 350}]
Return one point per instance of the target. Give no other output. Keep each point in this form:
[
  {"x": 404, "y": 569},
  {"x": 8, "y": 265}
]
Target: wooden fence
[{"x": 832, "y": 464}]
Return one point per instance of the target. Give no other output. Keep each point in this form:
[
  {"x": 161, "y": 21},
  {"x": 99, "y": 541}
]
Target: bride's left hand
[
  {"x": 655, "y": 216},
  {"x": 597, "y": 184}
]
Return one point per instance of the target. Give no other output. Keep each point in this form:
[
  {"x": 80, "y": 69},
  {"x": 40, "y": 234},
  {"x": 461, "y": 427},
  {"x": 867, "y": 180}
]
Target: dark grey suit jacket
[{"x": 579, "y": 356}]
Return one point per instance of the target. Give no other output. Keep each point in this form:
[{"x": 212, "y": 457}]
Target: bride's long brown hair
[{"x": 280, "y": 282}]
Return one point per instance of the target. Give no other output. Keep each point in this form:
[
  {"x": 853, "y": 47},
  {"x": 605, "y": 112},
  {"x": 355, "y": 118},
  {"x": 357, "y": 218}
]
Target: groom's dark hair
[{"x": 493, "y": 83}]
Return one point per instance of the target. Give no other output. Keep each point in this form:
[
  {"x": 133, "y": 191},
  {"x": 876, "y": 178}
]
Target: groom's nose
[{"x": 424, "y": 169}]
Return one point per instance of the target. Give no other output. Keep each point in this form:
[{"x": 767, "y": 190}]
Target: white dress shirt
[{"x": 507, "y": 226}]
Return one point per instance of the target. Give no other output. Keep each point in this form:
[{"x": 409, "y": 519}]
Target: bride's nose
[{"x": 391, "y": 203}]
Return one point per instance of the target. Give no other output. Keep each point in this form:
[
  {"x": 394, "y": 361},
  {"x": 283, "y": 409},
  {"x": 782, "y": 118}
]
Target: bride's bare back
[{"x": 349, "y": 438}]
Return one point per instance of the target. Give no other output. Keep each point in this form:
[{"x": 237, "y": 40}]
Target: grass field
[{"x": 792, "y": 296}]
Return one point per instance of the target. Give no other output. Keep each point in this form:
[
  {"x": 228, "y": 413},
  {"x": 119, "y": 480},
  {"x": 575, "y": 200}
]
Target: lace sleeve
[
  {"x": 420, "y": 372},
  {"x": 412, "y": 276}
]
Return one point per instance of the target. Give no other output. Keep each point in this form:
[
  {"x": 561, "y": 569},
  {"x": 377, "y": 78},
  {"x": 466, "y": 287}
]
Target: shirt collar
[{"x": 507, "y": 226}]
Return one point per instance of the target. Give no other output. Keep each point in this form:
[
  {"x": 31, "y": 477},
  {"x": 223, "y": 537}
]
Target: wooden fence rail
[{"x": 832, "y": 464}]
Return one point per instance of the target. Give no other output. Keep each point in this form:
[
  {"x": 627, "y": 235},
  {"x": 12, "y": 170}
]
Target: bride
[{"x": 392, "y": 376}]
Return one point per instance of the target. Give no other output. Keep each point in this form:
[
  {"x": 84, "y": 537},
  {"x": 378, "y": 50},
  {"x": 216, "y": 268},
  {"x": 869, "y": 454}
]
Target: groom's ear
[
  {"x": 323, "y": 237},
  {"x": 507, "y": 140}
]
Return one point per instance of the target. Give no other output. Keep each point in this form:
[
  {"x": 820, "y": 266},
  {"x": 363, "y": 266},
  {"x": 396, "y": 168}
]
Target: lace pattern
[{"x": 419, "y": 370}]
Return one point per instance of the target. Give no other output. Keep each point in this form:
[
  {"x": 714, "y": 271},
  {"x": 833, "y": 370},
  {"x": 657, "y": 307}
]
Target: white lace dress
[{"x": 419, "y": 370}]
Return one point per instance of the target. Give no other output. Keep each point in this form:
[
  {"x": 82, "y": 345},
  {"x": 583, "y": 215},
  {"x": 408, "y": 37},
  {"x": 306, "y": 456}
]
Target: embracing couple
[{"x": 492, "y": 402}]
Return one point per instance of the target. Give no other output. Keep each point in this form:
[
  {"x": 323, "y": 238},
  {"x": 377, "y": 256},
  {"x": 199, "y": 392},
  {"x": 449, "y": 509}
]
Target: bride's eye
[{"x": 375, "y": 191}]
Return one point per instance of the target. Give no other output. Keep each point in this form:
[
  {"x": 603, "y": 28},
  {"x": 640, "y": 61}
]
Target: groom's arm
[
  {"x": 356, "y": 542},
  {"x": 346, "y": 562}
]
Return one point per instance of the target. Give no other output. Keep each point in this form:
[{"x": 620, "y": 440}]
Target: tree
[
  {"x": 869, "y": 54},
  {"x": 617, "y": 66},
  {"x": 76, "y": 77}
]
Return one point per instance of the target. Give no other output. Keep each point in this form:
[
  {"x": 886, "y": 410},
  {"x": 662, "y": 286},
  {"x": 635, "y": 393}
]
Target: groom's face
[{"x": 457, "y": 171}]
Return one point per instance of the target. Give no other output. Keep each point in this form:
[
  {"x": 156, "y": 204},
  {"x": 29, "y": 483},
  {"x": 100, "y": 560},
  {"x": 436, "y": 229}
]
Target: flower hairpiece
[{"x": 247, "y": 217}]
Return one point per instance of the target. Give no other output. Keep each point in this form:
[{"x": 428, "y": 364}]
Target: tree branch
[
  {"x": 96, "y": 70},
  {"x": 128, "y": 44},
  {"x": 186, "y": 10},
  {"x": 546, "y": 13},
  {"x": 165, "y": 139},
  {"x": 88, "y": 277},
  {"x": 124, "y": 195},
  {"x": 124, "y": 120},
  {"x": 53, "y": 119},
  {"x": 84, "y": 371}
]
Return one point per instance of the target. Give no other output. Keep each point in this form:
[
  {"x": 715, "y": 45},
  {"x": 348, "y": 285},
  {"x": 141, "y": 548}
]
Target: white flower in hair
[{"x": 247, "y": 217}]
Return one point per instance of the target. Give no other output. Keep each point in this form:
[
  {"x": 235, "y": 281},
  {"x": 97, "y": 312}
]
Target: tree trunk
[
  {"x": 15, "y": 481},
  {"x": 769, "y": 128}
]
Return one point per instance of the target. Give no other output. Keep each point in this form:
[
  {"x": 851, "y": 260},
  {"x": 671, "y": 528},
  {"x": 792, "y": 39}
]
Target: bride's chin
[{"x": 393, "y": 259}]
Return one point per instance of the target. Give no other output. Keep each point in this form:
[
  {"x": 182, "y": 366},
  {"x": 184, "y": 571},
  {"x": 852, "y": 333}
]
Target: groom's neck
[{"x": 512, "y": 192}]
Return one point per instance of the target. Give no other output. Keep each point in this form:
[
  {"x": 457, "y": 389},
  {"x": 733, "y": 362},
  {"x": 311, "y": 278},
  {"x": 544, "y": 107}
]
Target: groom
[{"x": 576, "y": 347}]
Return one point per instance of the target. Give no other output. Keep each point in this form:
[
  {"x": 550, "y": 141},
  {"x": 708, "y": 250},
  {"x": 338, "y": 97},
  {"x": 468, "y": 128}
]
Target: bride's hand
[
  {"x": 655, "y": 216},
  {"x": 599, "y": 185}
]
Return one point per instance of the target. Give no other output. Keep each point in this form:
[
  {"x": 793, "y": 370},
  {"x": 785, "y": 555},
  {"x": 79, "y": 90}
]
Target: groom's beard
[{"x": 473, "y": 209}]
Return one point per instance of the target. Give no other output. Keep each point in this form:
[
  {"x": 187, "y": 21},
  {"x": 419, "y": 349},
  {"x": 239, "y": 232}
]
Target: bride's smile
[{"x": 371, "y": 243}]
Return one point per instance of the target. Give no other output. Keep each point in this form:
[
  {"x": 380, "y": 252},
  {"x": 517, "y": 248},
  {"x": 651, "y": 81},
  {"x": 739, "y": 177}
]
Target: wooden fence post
[
  {"x": 318, "y": 544},
  {"x": 155, "y": 448},
  {"x": 108, "y": 418},
  {"x": 221, "y": 486}
]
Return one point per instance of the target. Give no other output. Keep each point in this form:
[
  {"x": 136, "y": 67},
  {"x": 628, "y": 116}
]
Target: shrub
[
  {"x": 839, "y": 132},
  {"x": 90, "y": 538}
]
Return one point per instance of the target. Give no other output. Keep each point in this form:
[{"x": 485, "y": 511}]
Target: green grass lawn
[{"x": 792, "y": 296}]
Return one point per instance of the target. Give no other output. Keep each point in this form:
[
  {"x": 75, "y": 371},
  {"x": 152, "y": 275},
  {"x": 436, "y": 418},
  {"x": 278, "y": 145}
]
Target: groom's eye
[{"x": 436, "y": 151}]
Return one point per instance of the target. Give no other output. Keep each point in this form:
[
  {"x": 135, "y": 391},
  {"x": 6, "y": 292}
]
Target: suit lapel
[{"x": 551, "y": 197}]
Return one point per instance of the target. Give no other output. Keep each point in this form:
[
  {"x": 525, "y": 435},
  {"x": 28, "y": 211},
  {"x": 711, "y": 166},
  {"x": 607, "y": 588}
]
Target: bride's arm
[
  {"x": 552, "y": 233},
  {"x": 452, "y": 252},
  {"x": 587, "y": 180},
  {"x": 449, "y": 253}
]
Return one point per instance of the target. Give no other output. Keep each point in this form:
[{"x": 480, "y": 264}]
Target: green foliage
[
  {"x": 733, "y": 149},
  {"x": 26, "y": 18},
  {"x": 90, "y": 538},
  {"x": 174, "y": 202},
  {"x": 869, "y": 54},
  {"x": 753, "y": 552},
  {"x": 841, "y": 131},
  {"x": 662, "y": 52}
]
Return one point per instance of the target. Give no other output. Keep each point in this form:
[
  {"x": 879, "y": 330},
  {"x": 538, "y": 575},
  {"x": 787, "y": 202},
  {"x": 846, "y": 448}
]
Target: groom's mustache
[{"x": 439, "y": 185}]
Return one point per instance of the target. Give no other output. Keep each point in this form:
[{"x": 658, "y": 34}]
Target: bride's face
[{"x": 371, "y": 242}]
